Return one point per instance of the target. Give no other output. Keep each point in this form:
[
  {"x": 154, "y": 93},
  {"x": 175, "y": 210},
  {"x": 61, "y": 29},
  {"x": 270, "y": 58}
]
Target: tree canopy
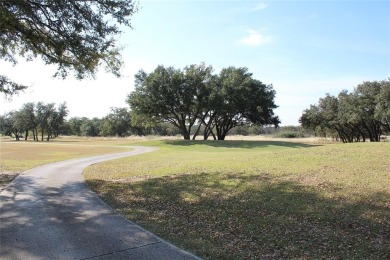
[
  {"x": 356, "y": 116},
  {"x": 116, "y": 123},
  {"x": 75, "y": 35},
  {"x": 238, "y": 99},
  {"x": 195, "y": 95},
  {"x": 40, "y": 119}
]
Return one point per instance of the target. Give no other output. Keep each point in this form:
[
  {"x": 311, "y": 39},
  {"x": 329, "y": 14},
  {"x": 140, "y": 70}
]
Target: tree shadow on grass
[
  {"x": 238, "y": 144},
  {"x": 221, "y": 216}
]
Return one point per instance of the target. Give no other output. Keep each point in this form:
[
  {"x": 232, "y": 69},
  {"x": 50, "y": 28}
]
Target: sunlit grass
[
  {"x": 240, "y": 199},
  {"x": 17, "y": 157},
  {"x": 21, "y": 156},
  {"x": 257, "y": 199}
]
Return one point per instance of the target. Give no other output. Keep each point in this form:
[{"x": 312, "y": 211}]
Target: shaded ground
[
  {"x": 231, "y": 200},
  {"x": 256, "y": 217},
  {"x": 6, "y": 178},
  {"x": 239, "y": 144},
  {"x": 49, "y": 213}
]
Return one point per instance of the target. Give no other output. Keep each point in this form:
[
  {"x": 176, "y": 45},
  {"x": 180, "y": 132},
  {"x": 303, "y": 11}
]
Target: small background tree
[{"x": 357, "y": 116}]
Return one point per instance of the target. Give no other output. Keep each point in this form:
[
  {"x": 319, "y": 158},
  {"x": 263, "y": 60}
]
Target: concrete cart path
[{"x": 50, "y": 213}]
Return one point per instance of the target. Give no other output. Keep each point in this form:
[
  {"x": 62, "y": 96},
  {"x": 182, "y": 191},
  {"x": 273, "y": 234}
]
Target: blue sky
[{"x": 305, "y": 49}]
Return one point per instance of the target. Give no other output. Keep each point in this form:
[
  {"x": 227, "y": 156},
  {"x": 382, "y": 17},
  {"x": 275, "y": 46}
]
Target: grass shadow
[
  {"x": 238, "y": 144},
  {"x": 231, "y": 216}
]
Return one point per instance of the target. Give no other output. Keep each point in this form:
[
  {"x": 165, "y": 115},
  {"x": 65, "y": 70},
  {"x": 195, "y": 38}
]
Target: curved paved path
[{"x": 50, "y": 213}]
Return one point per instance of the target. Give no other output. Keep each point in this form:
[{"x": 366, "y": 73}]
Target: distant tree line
[
  {"x": 40, "y": 121},
  {"x": 119, "y": 122},
  {"x": 30, "y": 122},
  {"x": 194, "y": 96},
  {"x": 35, "y": 118},
  {"x": 116, "y": 123},
  {"x": 361, "y": 115},
  {"x": 271, "y": 131}
]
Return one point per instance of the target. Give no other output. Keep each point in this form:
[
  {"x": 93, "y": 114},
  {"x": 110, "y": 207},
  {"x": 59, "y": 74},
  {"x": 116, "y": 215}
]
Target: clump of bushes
[{"x": 289, "y": 132}]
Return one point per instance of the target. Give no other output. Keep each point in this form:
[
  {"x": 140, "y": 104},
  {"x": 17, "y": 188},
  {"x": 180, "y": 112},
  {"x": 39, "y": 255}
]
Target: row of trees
[
  {"x": 196, "y": 96},
  {"x": 40, "y": 119},
  {"x": 116, "y": 123},
  {"x": 29, "y": 122},
  {"x": 119, "y": 123},
  {"x": 361, "y": 115},
  {"x": 35, "y": 118},
  {"x": 47, "y": 119}
]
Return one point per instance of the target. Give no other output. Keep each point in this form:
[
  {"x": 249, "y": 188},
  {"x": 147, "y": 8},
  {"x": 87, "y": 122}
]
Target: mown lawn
[{"x": 257, "y": 199}]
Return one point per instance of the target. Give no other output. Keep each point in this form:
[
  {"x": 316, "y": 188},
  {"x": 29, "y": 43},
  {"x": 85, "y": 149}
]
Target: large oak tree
[
  {"x": 171, "y": 95},
  {"x": 238, "y": 99},
  {"x": 194, "y": 95}
]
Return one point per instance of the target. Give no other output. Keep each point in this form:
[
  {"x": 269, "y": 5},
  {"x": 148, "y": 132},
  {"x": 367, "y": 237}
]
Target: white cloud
[
  {"x": 258, "y": 7},
  {"x": 254, "y": 38}
]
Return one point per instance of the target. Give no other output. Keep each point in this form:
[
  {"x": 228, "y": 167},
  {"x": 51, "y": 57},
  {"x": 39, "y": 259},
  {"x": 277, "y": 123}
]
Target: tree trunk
[
  {"x": 26, "y": 135},
  {"x": 35, "y": 134},
  {"x": 197, "y": 132},
  {"x": 386, "y": 125},
  {"x": 221, "y": 137},
  {"x": 207, "y": 132},
  {"x": 378, "y": 131},
  {"x": 16, "y": 135},
  {"x": 221, "y": 133},
  {"x": 185, "y": 133},
  {"x": 186, "y": 136}
]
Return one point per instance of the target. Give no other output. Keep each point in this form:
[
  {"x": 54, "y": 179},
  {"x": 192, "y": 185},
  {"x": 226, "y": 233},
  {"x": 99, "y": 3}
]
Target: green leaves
[
  {"x": 33, "y": 117},
  {"x": 196, "y": 96},
  {"x": 172, "y": 95},
  {"x": 77, "y": 36},
  {"x": 239, "y": 99},
  {"x": 356, "y": 116},
  {"x": 116, "y": 123},
  {"x": 10, "y": 88}
]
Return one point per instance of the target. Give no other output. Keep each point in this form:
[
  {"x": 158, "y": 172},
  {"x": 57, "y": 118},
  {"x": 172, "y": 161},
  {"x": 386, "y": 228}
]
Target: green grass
[
  {"x": 257, "y": 199},
  {"x": 240, "y": 199}
]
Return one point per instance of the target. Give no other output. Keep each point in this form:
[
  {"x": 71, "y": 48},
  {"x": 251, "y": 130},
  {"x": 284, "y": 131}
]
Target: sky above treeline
[{"x": 305, "y": 49}]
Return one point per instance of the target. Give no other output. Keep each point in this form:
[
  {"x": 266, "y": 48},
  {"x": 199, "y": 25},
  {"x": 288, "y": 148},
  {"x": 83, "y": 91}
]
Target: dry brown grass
[
  {"x": 17, "y": 157},
  {"x": 262, "y": 199}
]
